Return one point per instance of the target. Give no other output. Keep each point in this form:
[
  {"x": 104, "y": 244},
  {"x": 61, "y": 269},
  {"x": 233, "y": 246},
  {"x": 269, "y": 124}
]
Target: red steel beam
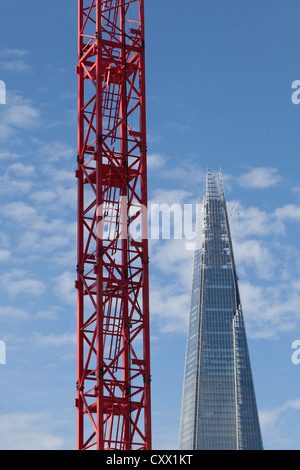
[{"x": 113, "y": 368}]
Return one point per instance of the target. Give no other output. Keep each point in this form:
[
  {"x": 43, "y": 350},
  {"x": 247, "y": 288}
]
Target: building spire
[{"x": 218, "y": 403}]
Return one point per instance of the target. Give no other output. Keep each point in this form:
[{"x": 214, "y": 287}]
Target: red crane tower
[{"x": 113, "y": 367}]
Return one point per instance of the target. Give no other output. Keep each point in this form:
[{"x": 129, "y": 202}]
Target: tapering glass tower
[{"x": 219, "y": 409}]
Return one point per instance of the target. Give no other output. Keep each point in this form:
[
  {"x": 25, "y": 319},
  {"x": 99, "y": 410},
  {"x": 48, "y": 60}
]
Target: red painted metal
[{"x": 113, "y": 368}]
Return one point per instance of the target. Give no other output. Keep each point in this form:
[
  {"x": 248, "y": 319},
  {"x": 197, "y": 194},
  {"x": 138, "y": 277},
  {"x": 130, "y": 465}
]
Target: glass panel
[{"x": 218, "y": 405}]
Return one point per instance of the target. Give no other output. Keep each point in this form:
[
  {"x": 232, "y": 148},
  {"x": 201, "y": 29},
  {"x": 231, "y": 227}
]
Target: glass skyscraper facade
[{"x": 219, "y": 409}]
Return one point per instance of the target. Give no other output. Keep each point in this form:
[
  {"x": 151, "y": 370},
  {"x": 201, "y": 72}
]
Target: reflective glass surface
[{"x": 218, "y": 404}]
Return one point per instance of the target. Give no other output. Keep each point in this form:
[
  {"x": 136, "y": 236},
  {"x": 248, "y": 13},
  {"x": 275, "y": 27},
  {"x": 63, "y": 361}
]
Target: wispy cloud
[
  {"x": 15, "y": 179},
  {"x": 8, "y": 52},
  {"x": 270, "y": 310},
  {"x": 53, "y": 339},
  {"x": 259, "y": 178},
  {"x": 19, "y": 281},
  {"x": 170, "y": 285},
  {"x": 64, "y": 287},
  {"x": 4, "y": 255},
  {"x": 272, "y": 425},
  {"x": 18, "y": 114},
  {"x": 255, "y": 253},
  {"x": 8, "y": 155},
  {"x": 169, "y": 308},
  {"x": 55, "y": 150},
  {"x": 16, "y": 65},
  {"x": 9, "y": 313},
  {"x": 155, "y": 161},
  {"x": 175, "y": 126},
  {"x": 29, "y": 431},
  {"x": 13, "y": 60},
  {"x": 288, "y": 212}
]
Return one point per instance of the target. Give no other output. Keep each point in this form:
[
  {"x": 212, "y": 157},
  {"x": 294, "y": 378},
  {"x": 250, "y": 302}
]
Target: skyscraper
[{"x": 219, "y": 409}]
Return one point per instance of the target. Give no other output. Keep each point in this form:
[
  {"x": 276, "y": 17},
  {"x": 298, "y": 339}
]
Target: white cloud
[
  {"x": 252, "y": 221},
  {"x": 254, "y": 253},
  {"x": 19, "y": 169},
  {"x": 6, "y": 132},
  {"x": 16, "y": 65},
  {"x": 35, "y": 233},
  {"x": 50, "y": 312},
  {"x": 155, "y": 161},
  {"x": 19, "y": 281},
  {"x": 170, "y": 285},
  {"x": 8, "y": 155},
  {"x": 27, "y": 215},
  {"x": 4, "y": 255},
  {"x": 16, "y": 179},
  {"x": 187, "y": 173},
  {"x": 50, "y": 243},
  {"x": 67, "y": 196},
  {"x": 259, "y": 178},
  {"x": 270, "y": 310},
  {"x": 289, "y": 211},
  {"x": 9, "y": 186},
  {"x": 43, "y": 196},
  {"x": 10, "y": 312},
  {"x": 29, "y": 431},
  {"x": 64, "y": 287},
  {"x": 173, "y": 196},
  {"x": 55, "y": 151},
  {"x": 153, "y": 138},
  {"x": 53, "y": 339},
  {"x": 19, "y": 113},
  {"x": 19, "y": 211},
  {"x": 169, "y": 308},
  {"x": 8, "y": 52},
  {"x": 62, "y": 176},
  {"x": 171, "y": 257},
  {"x": 66, "y": 258},
  {"x": 15, "y": 61},
  {"x": 272, "y": 425},
  {"x": 4, "y": 240}
]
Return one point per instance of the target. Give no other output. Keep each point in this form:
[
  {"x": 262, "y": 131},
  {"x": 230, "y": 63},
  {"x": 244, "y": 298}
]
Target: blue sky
[{"x": 219, "y": 78}]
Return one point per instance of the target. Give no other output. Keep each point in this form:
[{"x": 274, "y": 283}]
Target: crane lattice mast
[{"x": 113, "y": 367}]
